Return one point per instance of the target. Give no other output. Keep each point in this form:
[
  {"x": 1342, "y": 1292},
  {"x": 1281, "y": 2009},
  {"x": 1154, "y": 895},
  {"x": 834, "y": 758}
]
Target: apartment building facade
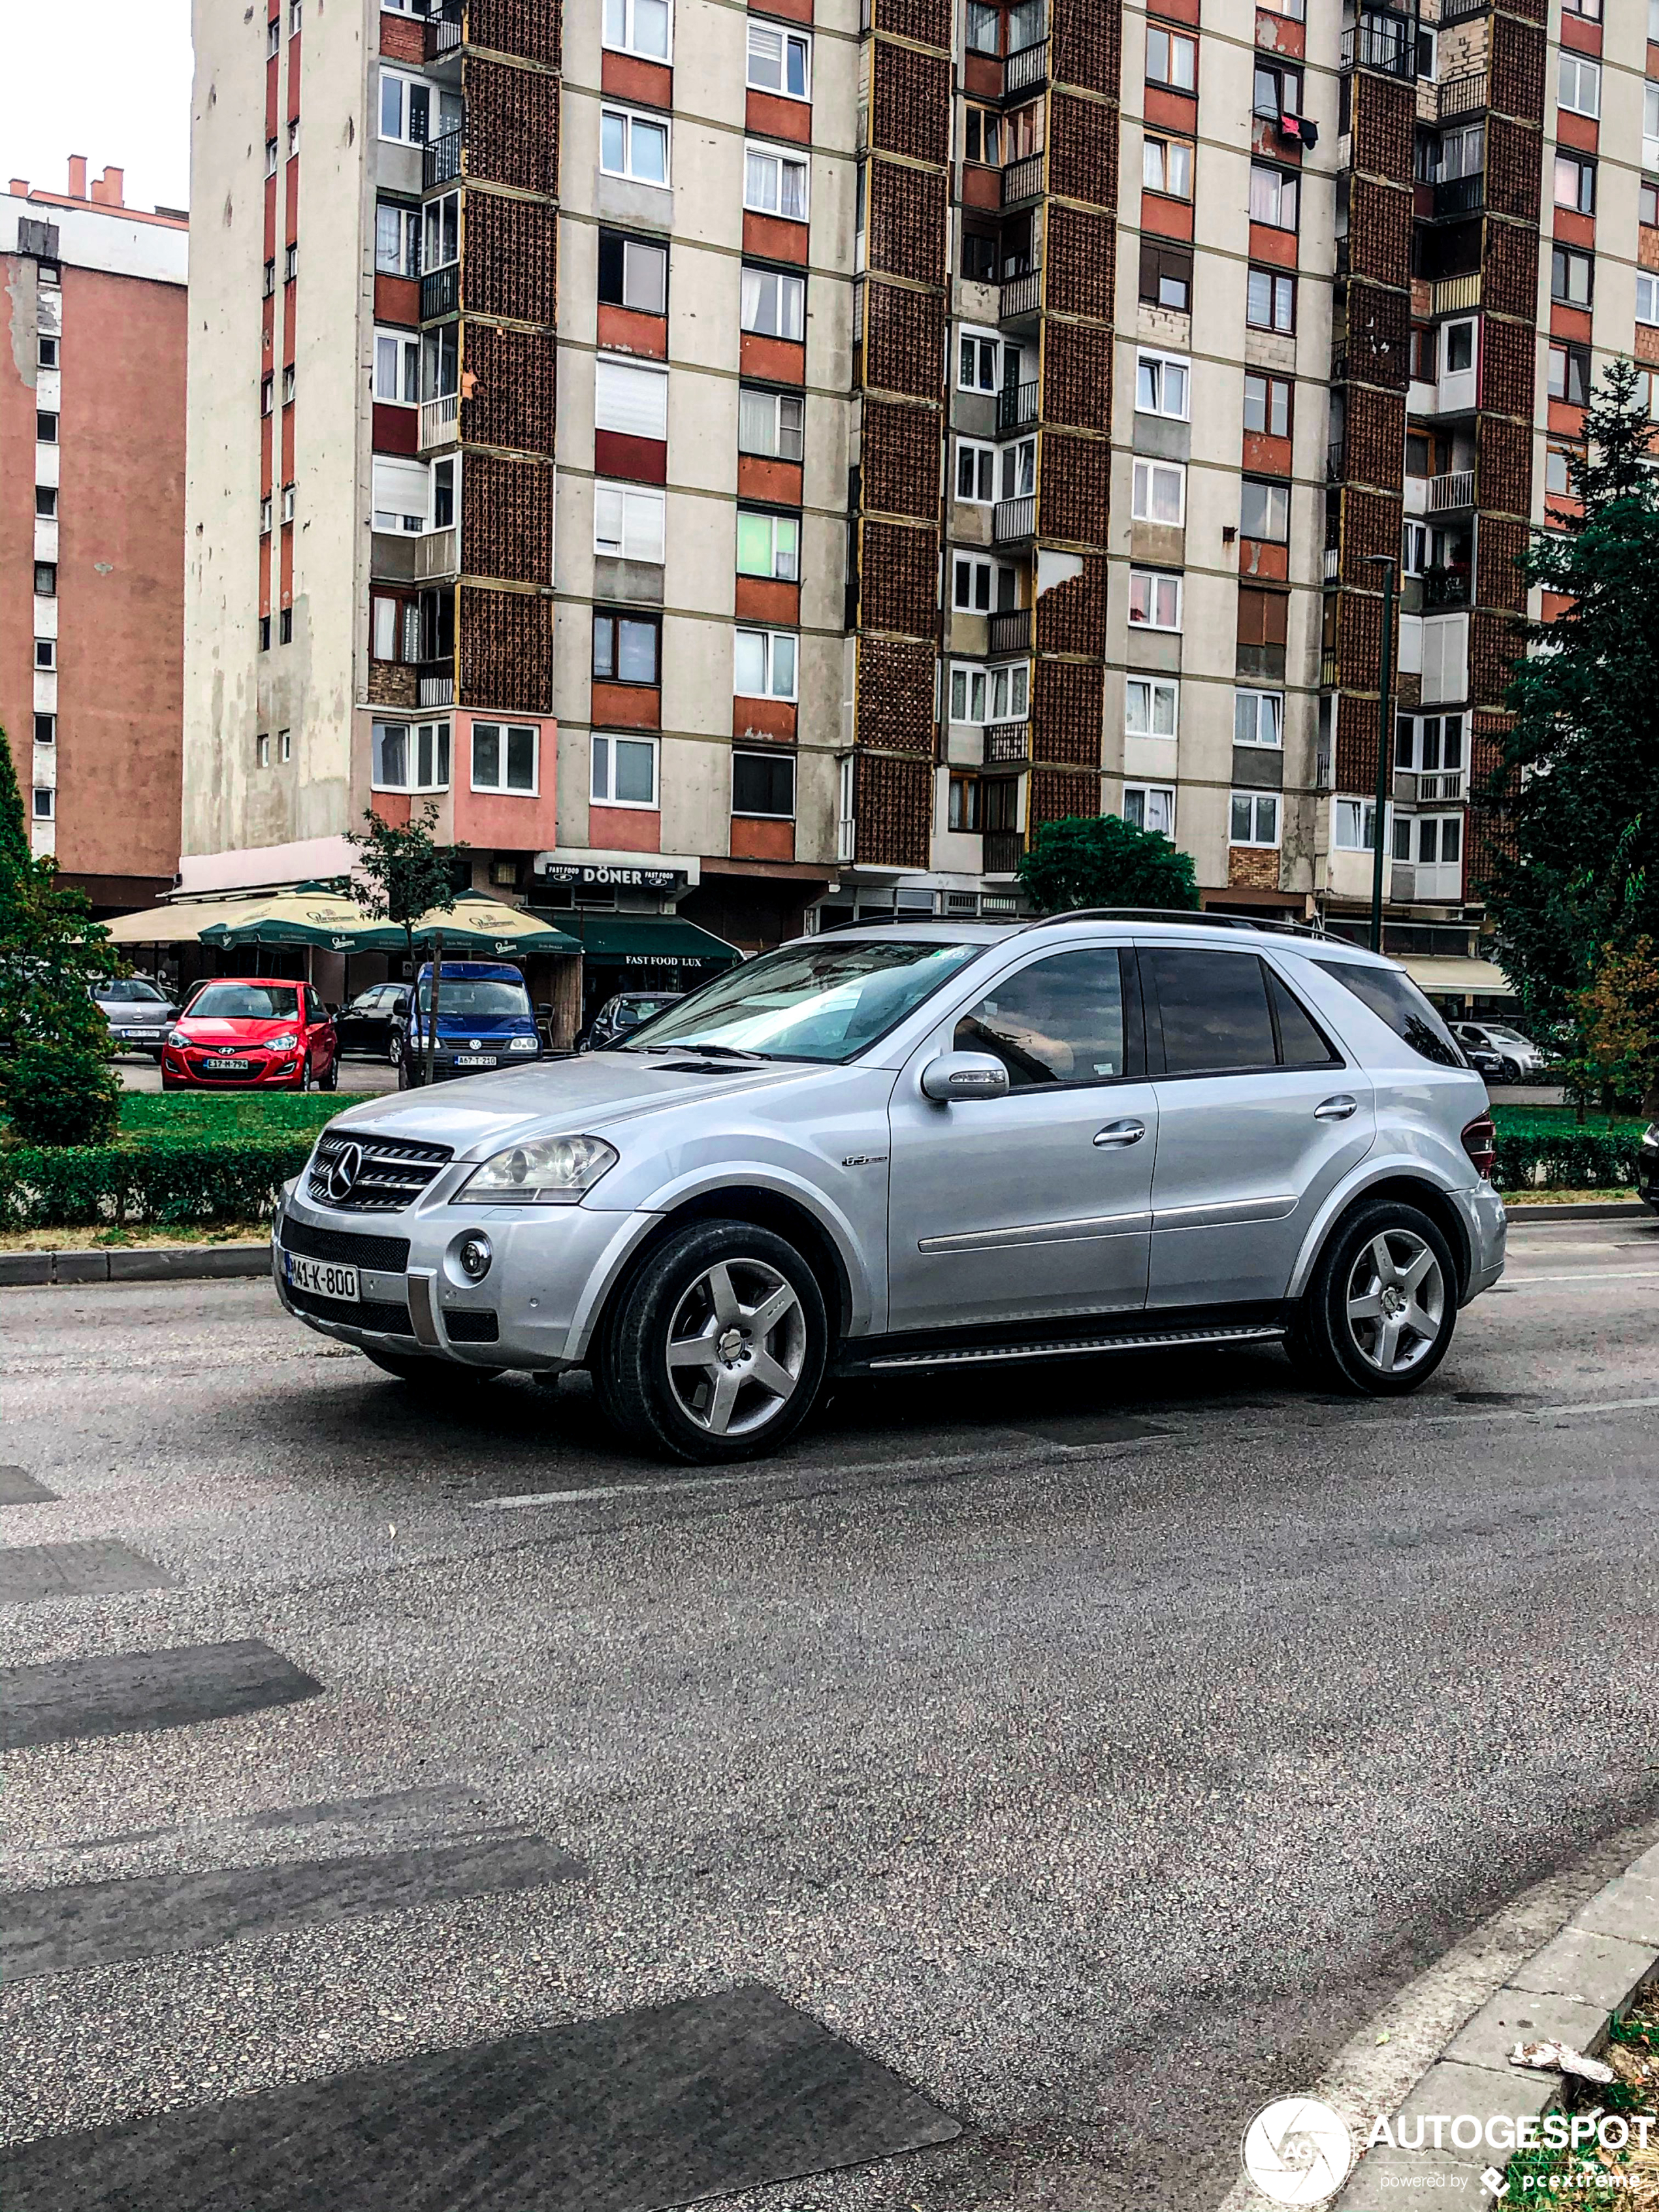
[
  {"x": 92, "y": 467},
  {"x": 745, "y": 464}
]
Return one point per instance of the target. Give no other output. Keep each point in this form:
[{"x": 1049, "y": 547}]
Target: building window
[
  {"x": 273, "y": 37},
  {"x": 44, "y": 799},
  {"x": 287, "y": 384},
  {"x": 1276, "y": 94},
  {"x": 269, "y": 279},
  {"x": 383, "y": 630},
  {"x": 990, "y": 694},
  {"x": 1648, "y": 201},
  {"x": 288, "y": 502},
  {"x": 1353, "y": 825},
  {"x": 504, "y": 756},
  {"x": 638, "y": 27},
  {"x": 1569, "y": 374},
  {"x": 440, "y": 363},
  {"x": 1590, "y": 10},
  {"x": 46, "y": 579},
  {"x": 1574, "y": 182},
  {"x": 1149, "y": 806},
  {"x": 1161, "y": 384},
  {"x": 1166, "y": 166},
  {"x": 982, "y": 136},
  {"x": 1160, "y": 493},
  {"x": 975, "y": 473},
  {"x": 1020, "y": 469},
  {"x": 397, "y": 368},
  {"x": 764, "y": 663},
  {"x": 629, "y": 522},
  {"x": 962, "y": 804},
  {"x": 285, "y": 626},
  {"x": 768, "y": 545},
  {"x": 284, "y": 745},
  {"x": 630, "y": 400},
  {"x": 1459, "y": 347},
  {"x": 624, "y": 772},
  {"x": 979, "y": 256},
  {"x": 981, "y": 586},
  {"x": 270, "y": 157},
  {"x": 1267, "y": 405},
  {"x": 771, "y": 424},
  {"x": 1259, "y": 719},
  {"x": 976, "y": 362},
  {"x": 984, "y": 27},
  {"x": 1166, "y": 277},
  {"x": 1151, "y": 707},
  {"x": 1171, "y": 59},
  {"x": 262, "y": 751},
  {"x": 763, "y": 784},
  {"x": 634, "y": 146},
  {"x": 1254, "y": 818},
  {"x": 414, "y": 113},
  {"x": 45, "y": 352},
  {"x": 773, "y": 304},
  {"x": 1439, "y": 839},
  {"x": 264, "y": 515},
  {"x": 1265, "y": 511},
  {"x": 45, "y": 502},
  {"x": 46, "y": 652},
  {"x": 1428, "y": 745},
  {"x": 1572, "y": 277},
  {"x": 290, "y": 262},
  {"x": 775, "y": 183},
  {"x": 779, "y": 61},
  {"x": 267, "y": 394},
  {"x": 440, "y": 232},
  {"x": 1647, "y": 297},
  {"x": 632, "y": 273},
  {"x": 1270, "y": 300},
  {"x": 626, "y": 649},
  {"x": 1154, "y": 599},
  {"x": 1579, "y": 86},
  {"x": 294, "y": 12},
  {"x": 46, "y": 729},
  {"x": 45, "y": 426},
  {"x": 409, "y": 756},
  {"x": 264, "y": 632},
  {"x": 1273, "y": 197},
  {"x": 397, "y": 240}
]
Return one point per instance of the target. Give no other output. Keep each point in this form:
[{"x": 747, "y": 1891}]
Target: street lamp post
[{"x": 1384, "y": 717}]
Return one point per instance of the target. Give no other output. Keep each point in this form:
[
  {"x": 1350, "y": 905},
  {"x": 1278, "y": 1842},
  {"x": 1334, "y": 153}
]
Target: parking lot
[{"x": 1091, "y": 1748}]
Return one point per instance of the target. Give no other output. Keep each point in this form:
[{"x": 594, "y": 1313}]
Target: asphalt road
[{"x": 1095, "y": 1747}]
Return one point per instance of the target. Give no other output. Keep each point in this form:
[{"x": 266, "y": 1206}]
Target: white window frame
[
  {"x": 1647, "y": 296},
  {"x": 284, "y": 746},
  {"x": 46, "y": 652},
  {"x": 1014, "y": 679},
  {"x": 267, "y": 515},
  {"x": 631, "y": 398},
  {"x": 787, "y": 38},
  {"x": 406, "y": 345},
  {"x": 1284, "y": 187},
  {"x": 634, "y": 119},
  {"x": 505, "y": 731},
  {"x": 656, "y": 251},
  {"x": 1156, "y": 578},
  {"x": 413, "y": 732},
  {"x": 1173, "y": 39},
  {"x": 778, "y": 399},
  {"x": 771, "y": 640},
  {"x": 45, "y": 803},
  {"x": 1154, "y": 687},
  {"x": 1578, "y": 79},
  {"x": 1650, "y": 125},
  {"x": 433, "y": 227},
  {"x": 272, "y": 155},
  {"x": 602, "y": 769},
  {"x": 405, "y": 79},
  {"x": 629, "y": 503},
  {"x": 624, "y": 41},
  {"x": 983, "y": 458},
  {"x": 978, "y": 566},
  {"x": 1146, "y": 792},
  {"x": 979, "y": 338},
  {"x": 790, "y": 574},
  {"x": 393, "y": 467},
  {"x": 766, "y": 753},
  {"x": 1167, "y": 164},
  {"x": 1159, "y": 366},
  {"x": 1257, "y": 800},
  {"x": 1145, "y": 470},
  {"x": 1278, "y": 504},
  {"x": 968, "y": 681},
  {"x": 762, "y": 161},
  {"x": 288, "y": 502},
  {"x": 1352, "y": 823},
  {"x": 408, "y": 229},
  {"x": 791, "y": 286},
  {"x": 1267, "y": 710},
  {"x": 1020, "y": 469}
]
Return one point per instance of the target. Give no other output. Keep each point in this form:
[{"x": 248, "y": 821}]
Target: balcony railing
[
  {"x": 1450, "y": 492},
  {"x": 1021, "y": 295},
  {"x": 1454, "y": 294},
  {"x": 1014, "y": 520},
  {"x": 1448, "y": 586},
  {"x": 1007, "y": 745},
  {"x": 1012, "y": 632},
  {"x": 435, "y": 681},
  {"x": 441, "y": 161},
  {"x": 1003, "y": 848},
  {"x": 1333, "y": 562},
  {"x": 1380, "y": 42},
  {"x": 437, "y": 556},
  {"x": 1027, "y": 70},
  {"x": 1454, "y": 11},
  {"x": 1461, "y": 195},
  {"x": 1017, "y": 405},
  {"x": 441, "y": 291},
  {"x": 1463, "y": 95},
  {"x": 443, "y": 28},
  {"x": 1440, "y": 790},
  {"x": 1022, "y": 180},
  {"x": 438, "y": 421}
]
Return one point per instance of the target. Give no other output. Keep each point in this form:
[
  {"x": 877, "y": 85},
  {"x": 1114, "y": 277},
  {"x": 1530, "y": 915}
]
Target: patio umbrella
[
  {"x": 475, "y": 922},
  {"x": 314, "y": 916}
]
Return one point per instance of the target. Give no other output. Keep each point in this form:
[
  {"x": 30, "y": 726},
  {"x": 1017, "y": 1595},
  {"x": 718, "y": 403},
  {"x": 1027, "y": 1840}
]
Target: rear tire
[
  {"x": 431, "y": 1378},
  {"x": 1509, "y": 1072},
  {"x": 718, "y": 1348},
  {"x": 1378, "y": 1315}
]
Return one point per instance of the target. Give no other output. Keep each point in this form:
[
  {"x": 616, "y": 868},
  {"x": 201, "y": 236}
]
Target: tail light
[{"x": 1480, "y": 1143}]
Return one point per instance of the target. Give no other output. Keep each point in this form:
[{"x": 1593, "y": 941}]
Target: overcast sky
[{"x": 106, "y": 78}]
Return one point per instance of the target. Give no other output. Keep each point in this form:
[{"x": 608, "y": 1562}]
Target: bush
[
  {"x": 164, "y": 1180},
  {"x": 1571, "y": 1156},
  {"x": 62, "y": 1093}
]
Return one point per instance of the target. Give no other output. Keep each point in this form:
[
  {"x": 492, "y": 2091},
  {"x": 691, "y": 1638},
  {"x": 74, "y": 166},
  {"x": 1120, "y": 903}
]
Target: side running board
[{"x": 1071, "y": 1347}]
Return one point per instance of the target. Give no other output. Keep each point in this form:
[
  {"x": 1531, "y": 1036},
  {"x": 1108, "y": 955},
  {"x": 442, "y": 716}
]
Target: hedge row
[
  {"x": 1571, "y": 1157},
  {"x": 162, "y": 1179}
]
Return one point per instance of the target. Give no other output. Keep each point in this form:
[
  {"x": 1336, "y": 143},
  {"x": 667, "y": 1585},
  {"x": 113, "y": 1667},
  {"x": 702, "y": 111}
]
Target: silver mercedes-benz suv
[{"x": 896, "y": 1148}]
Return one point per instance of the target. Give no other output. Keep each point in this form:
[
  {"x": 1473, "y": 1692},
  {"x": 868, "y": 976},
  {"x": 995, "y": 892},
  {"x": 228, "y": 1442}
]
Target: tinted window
[
  {"x": 822, "y": 1001},
  {"x": 476, "y": 997},
  {"x": 1213, "y": 1007},
  {"x": 1061, "y": 1020},
  {"x": 1302, "y": 1044},
  {"x": 1395, "y": 999}
]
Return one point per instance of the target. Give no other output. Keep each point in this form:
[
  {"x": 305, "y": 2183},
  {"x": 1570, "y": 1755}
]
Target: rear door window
[
  {"x": 1395, "y": 999},
  {"x": 1212, "y": 1008},
  {"x": 1059, "y": 1020}
]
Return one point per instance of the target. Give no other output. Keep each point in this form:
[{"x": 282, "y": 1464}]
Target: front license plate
[
  {"x": 474, "y": 1060},
  {"x": 323, "y": 1279},
  {"x": 229, "y": 1066}
]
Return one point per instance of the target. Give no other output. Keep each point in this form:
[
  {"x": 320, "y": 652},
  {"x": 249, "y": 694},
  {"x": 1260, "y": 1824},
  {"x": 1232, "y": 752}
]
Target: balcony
[
  {"x": 443, "y": 28},
  {"x": 439, "y": 421},
  {"x": 1017, "y": 405},
  {"x": 437, "y": 557},
  {"x": 1003, "y": 849},
  {"x": 441, "y": 161},
  {"x": 1025, "y": 71},
  {"x": 1023, "y": 180},
  {"x": 436, "y": 682},
  {"x": 1461, "y": 195},
  {"x": 1442, "y": 790},
  {"x": 1012, "y": 632},
  {"x": 1007, "y": 745},
  {"x": 1448, "y": 494},
  {"x": 1382, "y": 42},
  {"x": 440, "y": 292},
  {"x": 1455, "y": 295},
  {"x": 1463, "y": 95},
  {"x": 1454, "y": 11},
  {"x": 1448, "y": 586},
  {"x": 1021, "y": 295},
  {"x": 1014, "y": 520}
]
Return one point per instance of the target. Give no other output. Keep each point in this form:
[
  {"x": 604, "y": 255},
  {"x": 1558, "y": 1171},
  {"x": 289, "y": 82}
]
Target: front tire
[
  {"x": 1509, "y": 1072},
  {"x": 1377, "y": 1318},
  {"x": 717, "y": 1349},
  {"x": 331, "y": 1074}
]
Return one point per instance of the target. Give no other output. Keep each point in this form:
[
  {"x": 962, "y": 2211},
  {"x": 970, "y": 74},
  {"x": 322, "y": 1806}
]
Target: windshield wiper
[{"x": 714, "y": 1051}]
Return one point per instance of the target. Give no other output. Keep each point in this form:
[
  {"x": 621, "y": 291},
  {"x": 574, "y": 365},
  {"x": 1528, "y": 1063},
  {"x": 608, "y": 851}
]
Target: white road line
[{"x": 1516, "y": 1276}]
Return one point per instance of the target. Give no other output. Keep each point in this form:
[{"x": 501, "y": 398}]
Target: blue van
[{"x": 485, "y": 1020}]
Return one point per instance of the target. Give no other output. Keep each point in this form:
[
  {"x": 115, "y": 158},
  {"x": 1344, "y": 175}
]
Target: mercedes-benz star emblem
[{"x": 342, "y": 1171}]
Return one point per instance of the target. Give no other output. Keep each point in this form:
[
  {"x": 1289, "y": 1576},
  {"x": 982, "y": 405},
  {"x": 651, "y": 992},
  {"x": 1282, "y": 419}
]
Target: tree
[
  {"x": 54, "y": 1042},
  {"x": 1617, "y": 1019},
  {"x": 1100, "y": 859},
  {"x": 406, "y": 873},
  {"x": 1579, "y": 784}
]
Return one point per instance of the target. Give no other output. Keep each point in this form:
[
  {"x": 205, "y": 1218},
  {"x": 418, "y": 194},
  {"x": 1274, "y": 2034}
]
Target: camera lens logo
[{"x": 1298, "y": 2151}]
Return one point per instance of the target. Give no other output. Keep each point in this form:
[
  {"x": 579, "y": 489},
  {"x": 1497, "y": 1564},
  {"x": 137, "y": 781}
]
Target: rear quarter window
[{"x": 1395, "y": 999}]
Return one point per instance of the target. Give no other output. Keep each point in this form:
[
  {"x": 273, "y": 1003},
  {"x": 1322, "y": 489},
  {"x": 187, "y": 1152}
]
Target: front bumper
[
  {"x": 1647, "y": 1167},
  {"x": 263, "y": 1071},
  {"x": 1486, "y": 1222}
]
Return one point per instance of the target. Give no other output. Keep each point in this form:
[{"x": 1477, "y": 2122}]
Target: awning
[
  {"x": 475, "y": 922},
  {"x": 1456, "y": 978},
  {"x": 650, "y": 940},
  {"x": 182, "y": 923},
  {"x": 317, "y": 919}
]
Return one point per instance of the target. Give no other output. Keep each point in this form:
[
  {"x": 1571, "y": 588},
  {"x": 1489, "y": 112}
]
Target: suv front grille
[
  {"x": 384, "y": 1320},
  {"x": 386, "y": 1256},
  {"x": 386, "y": 1175}
]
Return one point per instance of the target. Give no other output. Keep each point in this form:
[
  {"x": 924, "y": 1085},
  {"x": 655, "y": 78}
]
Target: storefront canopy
[
  {"x": 478, "y": 923},
  {"x": 1453, "y": 978},
  {"x": 318, "y": 919},
  {"x": 181, "y": 923},
  {"x": 652, "y": 940}
]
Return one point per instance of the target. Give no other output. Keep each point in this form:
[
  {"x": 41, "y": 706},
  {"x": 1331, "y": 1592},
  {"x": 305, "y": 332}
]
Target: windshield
[
  {"x": 1508, "y": 1036},
  {"x": 254, "y": 1002},
  {"x": 146, "y": 994},
  {"x": 629, "y": 1012},
  {"x": 824, "y": 1000},
  {"x": 1394, "y": 998},
  {"x": 476, "y": 997}
]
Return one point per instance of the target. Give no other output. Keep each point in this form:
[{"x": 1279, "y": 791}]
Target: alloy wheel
[
  {"x": 736, "y": 1347},
  {"x": 1396, "y": 1300}
]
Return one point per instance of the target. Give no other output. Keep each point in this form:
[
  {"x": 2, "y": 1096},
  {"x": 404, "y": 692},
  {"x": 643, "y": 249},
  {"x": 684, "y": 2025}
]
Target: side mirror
[
  {"x": 400, "y": 1003},
  {"x": 545, "y": 1011},
  {"x": 956, "y": 1077}
]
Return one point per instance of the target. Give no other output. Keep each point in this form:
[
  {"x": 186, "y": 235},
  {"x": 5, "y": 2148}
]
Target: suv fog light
[{"x": 473, "y": 1256}]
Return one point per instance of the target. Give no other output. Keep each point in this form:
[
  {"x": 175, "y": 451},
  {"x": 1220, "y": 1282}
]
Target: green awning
[{"x": 649, "y": 940}]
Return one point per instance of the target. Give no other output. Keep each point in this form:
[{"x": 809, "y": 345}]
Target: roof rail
[{"x": 1203, "y": 917}]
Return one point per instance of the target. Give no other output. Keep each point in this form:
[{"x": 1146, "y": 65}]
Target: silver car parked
[{"x": 892, "y": 1149}]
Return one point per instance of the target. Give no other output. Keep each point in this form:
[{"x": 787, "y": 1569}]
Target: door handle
[
  {"x": 1121, "y": 1132},
  {"x": 1336, "y": 1110}
]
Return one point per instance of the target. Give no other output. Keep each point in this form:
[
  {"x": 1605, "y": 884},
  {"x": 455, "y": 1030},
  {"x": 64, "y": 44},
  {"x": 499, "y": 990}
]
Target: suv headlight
[
  {"x": 521, "y": 1044},
  {"x": 548, "y": 1171}
]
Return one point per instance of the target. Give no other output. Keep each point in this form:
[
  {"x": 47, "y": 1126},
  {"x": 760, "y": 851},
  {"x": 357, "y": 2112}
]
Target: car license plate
[
  {"x": 149, "y": 1036},
  {"x": 323, "y": 1279},
  {"x": 474, "y": 1060},
  {"x": 227, "y": 1067}
]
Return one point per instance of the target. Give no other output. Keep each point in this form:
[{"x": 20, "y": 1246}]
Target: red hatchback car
[{"x": 261, "y": 1033}]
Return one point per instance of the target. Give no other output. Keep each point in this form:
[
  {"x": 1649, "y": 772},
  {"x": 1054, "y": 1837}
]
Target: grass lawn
[
  {"x": 231, "y": 1113},
  {"x": 1555, "y": 1120}
]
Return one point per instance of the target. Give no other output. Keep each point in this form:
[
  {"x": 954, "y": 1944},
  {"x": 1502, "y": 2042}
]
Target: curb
[
  {"x": 161, "y": 1263},
  {"x": 1615, "y": 1209}
]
